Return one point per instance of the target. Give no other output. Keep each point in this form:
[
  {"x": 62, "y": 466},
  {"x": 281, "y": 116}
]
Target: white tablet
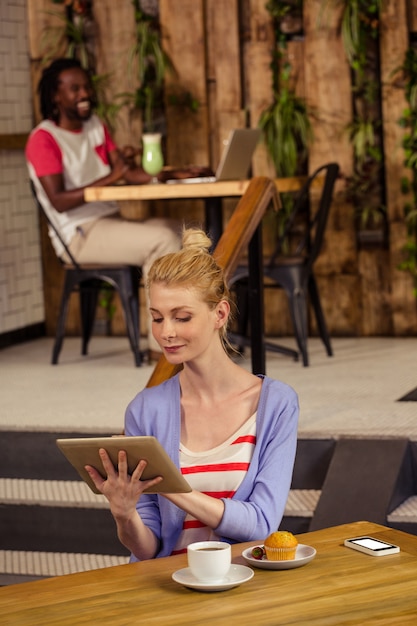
[{"x": 84, "y": 451}]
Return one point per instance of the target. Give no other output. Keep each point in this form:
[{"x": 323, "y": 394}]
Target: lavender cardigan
[{"x": 258, "y": 505}]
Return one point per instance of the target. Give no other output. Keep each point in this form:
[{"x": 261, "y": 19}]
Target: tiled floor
[{"x": 354, "y": 393}]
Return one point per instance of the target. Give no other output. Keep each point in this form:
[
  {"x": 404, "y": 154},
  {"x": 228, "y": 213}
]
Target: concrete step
[
  {"x": 59, "y": 493},
  {"x": 405, "y": 513},
  {"x": 21, "y": 566},
  {"x": 302, "y": 502},
  {"x": 56, "y": 515},
  {"x": 76, "y": 494}
]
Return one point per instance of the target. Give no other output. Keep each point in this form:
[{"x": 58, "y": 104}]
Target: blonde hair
[{"x": 194, "y": 267}]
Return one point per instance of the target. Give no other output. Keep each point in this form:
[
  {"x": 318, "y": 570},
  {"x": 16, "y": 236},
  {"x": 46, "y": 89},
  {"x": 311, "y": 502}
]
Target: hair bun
[{"x": 196, "y": 239}]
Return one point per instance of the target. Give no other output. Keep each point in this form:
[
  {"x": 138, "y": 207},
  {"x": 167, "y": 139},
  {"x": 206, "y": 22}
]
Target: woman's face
[{"x": 183, "y": 324}]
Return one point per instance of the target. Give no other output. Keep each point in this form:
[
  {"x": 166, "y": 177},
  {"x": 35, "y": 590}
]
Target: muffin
[{"x": 280, "y": 546}]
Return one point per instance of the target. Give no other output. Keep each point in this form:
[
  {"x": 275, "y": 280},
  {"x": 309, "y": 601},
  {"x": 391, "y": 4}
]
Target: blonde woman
[{"x": 232, "y": 434}]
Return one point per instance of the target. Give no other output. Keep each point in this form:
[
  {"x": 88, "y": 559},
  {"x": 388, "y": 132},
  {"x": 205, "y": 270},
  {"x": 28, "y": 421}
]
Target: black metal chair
[
  {"x": 294, "y": 272},
  {"x": 88, "y": 280}
]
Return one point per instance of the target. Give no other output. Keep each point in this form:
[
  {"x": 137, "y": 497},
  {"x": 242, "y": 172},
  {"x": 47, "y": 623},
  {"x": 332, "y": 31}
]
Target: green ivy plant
[
  {"x": 149, "y": 63},
  {"x": 360, "y": 32},
  {"x": 73, "y": 36},
  {"x": 285, "y": 123},
  {"x": 408, "y": 121}
]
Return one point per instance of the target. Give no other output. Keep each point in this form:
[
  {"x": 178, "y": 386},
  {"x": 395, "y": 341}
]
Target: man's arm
[
  {"x": 66, "y": 199},
  {"x": 43, "y": 152}
]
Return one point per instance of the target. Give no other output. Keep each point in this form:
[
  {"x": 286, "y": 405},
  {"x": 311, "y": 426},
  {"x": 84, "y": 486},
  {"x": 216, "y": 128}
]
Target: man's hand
[
  {"x": 191, "y": 171},
  {"x": 129, "y": 154}
]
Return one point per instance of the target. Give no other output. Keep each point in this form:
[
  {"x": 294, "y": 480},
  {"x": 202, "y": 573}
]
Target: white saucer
[
  {"x": 303, "y": 555},
  {"x": 236, "y": 575}
]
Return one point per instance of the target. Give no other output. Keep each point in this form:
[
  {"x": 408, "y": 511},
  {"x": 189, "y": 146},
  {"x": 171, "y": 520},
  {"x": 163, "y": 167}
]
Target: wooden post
[
  {"x": 115, "y": 37},
  {"x": 393, "y": 46},
  {"x": 224, "y": 72},
  {"x": 328, "y": 93},
  {"x": 257, "y": 53},
  {"x": 183, "y": 37}
]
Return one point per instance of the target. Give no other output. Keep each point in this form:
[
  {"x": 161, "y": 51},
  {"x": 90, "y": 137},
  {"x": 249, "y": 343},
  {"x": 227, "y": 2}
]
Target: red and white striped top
[{"x": 218, "y": 473}]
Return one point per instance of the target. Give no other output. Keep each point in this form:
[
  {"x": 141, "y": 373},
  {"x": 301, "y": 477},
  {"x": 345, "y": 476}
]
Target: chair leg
[
  {"x": 240, "y": 338},
  {"x": 60, "y": 327},
  {"x": 89, "y": 291},
  {"x": 321, "y": 322},
  {"x": 298, "y": 309},
  {"x": 242, "y": 302},
  {"x": 131, "y": 310},
  {"x": 134, "y": 302}
]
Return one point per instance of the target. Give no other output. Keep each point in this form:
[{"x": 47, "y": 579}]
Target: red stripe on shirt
[
  {"x": 245, "y": 439},
  {"x": 220, "y": 494},
  {"x": 218, "y": 467},
  {"x": 193, "y": 523}
]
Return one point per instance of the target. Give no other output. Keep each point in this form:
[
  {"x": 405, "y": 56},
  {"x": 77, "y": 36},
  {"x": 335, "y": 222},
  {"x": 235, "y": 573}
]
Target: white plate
[
  {"x": 236, "y": 575},
  {"x": 303, "y": 555}
]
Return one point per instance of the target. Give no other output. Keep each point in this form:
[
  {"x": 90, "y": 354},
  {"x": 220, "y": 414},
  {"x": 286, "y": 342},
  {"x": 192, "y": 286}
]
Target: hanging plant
[
  {"x": 285, "y": 124},
  {"x": 365, "y": 189},
  {"x": 74, "y": 39},
  {"x": 148, "y": 63},
  {"x": 287, "y": 131},
  {"x": 408, "y": 121}
]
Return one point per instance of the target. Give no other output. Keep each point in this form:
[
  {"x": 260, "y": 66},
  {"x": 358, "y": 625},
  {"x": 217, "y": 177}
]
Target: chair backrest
[
  {"x": 54, "y": 228},
  {"x": 311, "y": 240}
]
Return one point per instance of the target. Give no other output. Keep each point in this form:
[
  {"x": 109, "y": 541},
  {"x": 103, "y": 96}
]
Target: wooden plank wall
[
  {"x": 221, "y": 51},
  {"x": 394, "y": 42},
  {"x": 324, "y": 67}
]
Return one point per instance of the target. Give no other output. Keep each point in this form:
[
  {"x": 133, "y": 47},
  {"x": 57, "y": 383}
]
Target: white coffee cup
[{"x": 209, "y": 561}]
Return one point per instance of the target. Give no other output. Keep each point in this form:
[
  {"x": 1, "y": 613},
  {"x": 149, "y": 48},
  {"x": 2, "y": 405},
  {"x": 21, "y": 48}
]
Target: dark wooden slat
[{"x": 13, "y": 142}]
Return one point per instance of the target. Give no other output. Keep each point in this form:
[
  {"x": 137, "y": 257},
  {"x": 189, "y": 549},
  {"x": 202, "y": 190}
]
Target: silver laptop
[{"x": 235, "y": 160}]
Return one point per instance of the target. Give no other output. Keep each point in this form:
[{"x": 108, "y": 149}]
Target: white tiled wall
[{"x": 21, "y": 295}]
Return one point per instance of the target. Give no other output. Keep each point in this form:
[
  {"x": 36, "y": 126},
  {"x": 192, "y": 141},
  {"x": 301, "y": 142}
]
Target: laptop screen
[{"x": 235, "y": 160}]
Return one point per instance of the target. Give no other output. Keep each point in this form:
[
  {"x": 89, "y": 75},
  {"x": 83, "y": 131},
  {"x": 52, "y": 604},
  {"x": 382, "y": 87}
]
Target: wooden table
[
  {"x": 211, "y": 193},
  {"x": 225, "y": 188},
  {"x": 340, "y": 586}
]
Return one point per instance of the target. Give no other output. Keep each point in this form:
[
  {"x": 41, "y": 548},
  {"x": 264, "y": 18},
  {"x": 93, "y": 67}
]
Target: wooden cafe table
[
  {"x": 339, "y": 586},
  {"x": 211, "y": 193}
]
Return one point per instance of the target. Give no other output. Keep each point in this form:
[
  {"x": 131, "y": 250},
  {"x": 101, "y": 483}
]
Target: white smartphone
[{"x": 370, "y": 545}]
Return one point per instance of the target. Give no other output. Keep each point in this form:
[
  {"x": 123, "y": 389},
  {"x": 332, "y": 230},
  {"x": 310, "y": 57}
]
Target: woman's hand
[{"x": 121, "y": 489}]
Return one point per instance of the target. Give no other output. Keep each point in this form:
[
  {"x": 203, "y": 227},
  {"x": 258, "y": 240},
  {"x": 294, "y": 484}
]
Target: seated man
[{"x": 72, "y": 149}]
